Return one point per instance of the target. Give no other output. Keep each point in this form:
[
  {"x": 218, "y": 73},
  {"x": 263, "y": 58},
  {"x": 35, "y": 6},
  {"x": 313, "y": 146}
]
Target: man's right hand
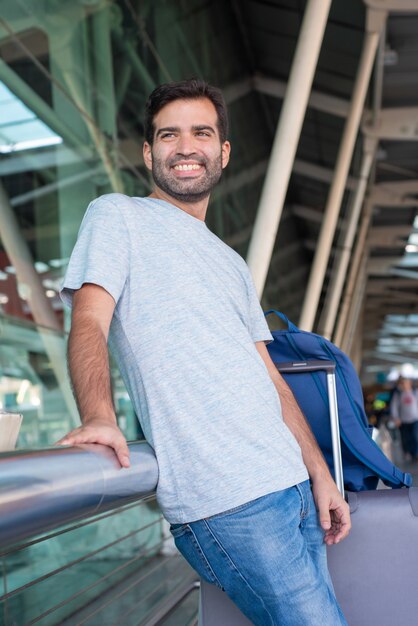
[{"x": 99, "y": 431}]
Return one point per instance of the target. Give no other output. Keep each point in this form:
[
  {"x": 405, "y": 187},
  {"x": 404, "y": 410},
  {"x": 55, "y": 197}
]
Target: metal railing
[
  {"x": 86, "y": 489},
  {"x": 43, "y": 489}
]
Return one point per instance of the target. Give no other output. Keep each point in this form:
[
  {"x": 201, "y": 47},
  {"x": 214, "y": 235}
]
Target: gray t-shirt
[{"x": 183, "y": 333}]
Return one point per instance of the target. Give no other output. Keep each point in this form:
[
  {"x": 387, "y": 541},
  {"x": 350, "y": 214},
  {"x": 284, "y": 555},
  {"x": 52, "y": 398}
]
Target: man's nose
[{"x": 185, "y": 145}]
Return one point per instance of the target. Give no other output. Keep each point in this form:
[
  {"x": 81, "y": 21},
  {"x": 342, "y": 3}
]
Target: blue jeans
[{"x": 269, "y": 556}]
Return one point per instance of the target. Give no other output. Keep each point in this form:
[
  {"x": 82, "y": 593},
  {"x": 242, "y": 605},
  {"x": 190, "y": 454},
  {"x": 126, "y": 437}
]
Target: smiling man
[{"x": 179, "y": 310}]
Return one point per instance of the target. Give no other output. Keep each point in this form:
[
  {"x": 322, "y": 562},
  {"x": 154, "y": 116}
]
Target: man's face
[{"x": 187, "y": 157}]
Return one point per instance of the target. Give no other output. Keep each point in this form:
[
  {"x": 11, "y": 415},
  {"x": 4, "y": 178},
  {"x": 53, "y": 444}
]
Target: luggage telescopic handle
[{"x": 329, "y": 368}]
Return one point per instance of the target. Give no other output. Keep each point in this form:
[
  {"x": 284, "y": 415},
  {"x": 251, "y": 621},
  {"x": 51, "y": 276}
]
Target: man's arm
[
  {"x": 88, "y": 363},
  {"x": 334, "y": 514}
]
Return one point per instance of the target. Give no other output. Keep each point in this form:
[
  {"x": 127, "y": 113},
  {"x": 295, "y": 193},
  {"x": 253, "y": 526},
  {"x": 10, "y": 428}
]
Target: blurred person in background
[{"x": 404, "y": 412}]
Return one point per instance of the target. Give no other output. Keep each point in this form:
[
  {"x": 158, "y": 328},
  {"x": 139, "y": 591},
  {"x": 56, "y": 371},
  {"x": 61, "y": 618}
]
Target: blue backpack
[{"x": 363, "y": 461}]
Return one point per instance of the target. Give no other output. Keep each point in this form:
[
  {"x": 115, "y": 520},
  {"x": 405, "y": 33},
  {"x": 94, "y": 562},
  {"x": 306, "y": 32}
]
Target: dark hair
[{"x": 190, "y": 89}]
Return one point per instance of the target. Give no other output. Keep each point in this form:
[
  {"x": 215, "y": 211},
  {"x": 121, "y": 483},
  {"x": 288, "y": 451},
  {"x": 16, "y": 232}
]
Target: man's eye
[
  {"x": 167, "y": 135},
  {"x": 203, "y": 133}
]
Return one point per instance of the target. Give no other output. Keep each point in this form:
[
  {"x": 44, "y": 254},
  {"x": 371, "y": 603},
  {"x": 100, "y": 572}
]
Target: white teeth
[{"x": 185, "y": 168}]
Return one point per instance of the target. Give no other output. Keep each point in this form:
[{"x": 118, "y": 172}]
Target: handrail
[{"x": 43, "y": 489}]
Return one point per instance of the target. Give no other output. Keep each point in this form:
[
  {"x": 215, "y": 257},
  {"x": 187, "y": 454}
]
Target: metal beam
[
  {"x": 389, "y": 356},
  {"x": 313, "y": 292},
  {"x": 307, "y": 213},
  {"x": 286, "y": 139},
  {"x": 359, "y": 251},
  {"x": 338, "y": 277},
  {"x": 395, "y": 271},
  {"x": 318, "y": 172},
  {"x": 238, "y": 90},
  {"x": 317, "y": 100},
  {"x": 381, "y": 265},
  {"x": 385, "y": 285},
  {"x": 380, "y": 236},
  {"x": 35, "y": 160},
  {"x": 400, "y": 193},
  {"x": 399, "y": 123},
  {"x": 60, "y": 183},
  {"x": 397, "y": 6},
  {"x": 356, "y": 305}
]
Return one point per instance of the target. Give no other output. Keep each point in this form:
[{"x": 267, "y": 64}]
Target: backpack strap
[
  {"x": 403, "y": 477},
  {"x": 285, "y": 319}
]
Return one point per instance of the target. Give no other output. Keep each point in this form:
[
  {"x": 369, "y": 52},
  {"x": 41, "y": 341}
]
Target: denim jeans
[{"x": 269, "y": 556}]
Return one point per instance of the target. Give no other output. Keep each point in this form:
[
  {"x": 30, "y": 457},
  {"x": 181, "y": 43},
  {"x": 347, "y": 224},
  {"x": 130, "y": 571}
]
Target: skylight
[{"x": 20, "y": 129}]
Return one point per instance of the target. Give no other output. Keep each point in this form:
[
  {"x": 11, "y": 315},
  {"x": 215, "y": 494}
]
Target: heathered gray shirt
[{"x": 183, "y": 334}]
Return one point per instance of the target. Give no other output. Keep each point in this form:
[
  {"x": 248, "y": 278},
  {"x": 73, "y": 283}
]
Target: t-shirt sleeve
[
  {"x": 257, "y": 323},
  {"x": 101, "y": 253}
]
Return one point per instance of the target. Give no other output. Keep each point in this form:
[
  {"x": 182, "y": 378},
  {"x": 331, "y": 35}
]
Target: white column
[
  {"x": 356, "y": 306},
  {"x": 345, "y": 154},
  {"x": 356, "y": 351},
  {"x": 359, "y": 251},
  {"x": 286, "y": 140},
  {"x": 337, "y": 281}
]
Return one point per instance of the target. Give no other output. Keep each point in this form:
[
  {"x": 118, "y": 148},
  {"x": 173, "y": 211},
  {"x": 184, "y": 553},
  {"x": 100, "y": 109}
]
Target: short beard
[{"x": 187, "y": 190}]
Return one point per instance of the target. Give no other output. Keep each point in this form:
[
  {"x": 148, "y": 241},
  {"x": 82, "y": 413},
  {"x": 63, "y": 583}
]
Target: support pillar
[
  {"x": 356, "y": 352},
  {"x": 43, "y": 314},
  {"x": 286, "y": 140},
  {"x": 375, "y": 22},
  {"x": 337, "y": 281},
  {"x": 353, "y": 273},
  {"x": 356, "y": 306}
]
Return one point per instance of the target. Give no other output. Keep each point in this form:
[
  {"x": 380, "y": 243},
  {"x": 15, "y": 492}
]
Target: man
[
  {"x": 187, "y": 331},
  {"x": 403, "y": 409}
]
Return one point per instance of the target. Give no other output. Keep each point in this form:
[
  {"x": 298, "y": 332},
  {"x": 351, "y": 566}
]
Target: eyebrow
[
  {"x": 175, "y": 129},
  {"x": 203, "y": 127}
]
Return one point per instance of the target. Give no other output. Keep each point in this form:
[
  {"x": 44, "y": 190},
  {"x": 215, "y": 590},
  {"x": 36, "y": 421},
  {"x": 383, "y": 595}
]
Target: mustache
[{"x": 187, "y": 157}]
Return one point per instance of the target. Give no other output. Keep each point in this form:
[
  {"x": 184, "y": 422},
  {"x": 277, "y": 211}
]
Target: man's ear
[
  {"x": 147, "y": 152},
  {"x": 225, "y": 153}
]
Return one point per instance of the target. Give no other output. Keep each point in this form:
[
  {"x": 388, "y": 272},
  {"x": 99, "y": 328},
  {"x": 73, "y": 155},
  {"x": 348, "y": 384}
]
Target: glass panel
[{"x": 75, "y": 567}]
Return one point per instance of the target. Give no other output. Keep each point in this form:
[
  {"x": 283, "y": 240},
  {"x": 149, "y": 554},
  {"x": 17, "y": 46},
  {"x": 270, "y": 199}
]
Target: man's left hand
[{"x": 333, "y": 510}]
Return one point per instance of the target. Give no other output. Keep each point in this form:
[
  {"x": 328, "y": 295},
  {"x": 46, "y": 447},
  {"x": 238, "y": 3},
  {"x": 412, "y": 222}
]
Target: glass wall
[{"x": 74, "y": 77}]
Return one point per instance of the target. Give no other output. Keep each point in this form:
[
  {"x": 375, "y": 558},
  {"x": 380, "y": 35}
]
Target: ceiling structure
[{"x": 93, "y": 99}]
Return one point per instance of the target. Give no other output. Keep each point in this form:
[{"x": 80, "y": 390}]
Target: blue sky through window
[{"x": 20, "y": 128}]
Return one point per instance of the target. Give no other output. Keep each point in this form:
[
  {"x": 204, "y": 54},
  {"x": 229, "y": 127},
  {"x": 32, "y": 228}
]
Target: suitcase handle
[{"x": 329, "y": 367}]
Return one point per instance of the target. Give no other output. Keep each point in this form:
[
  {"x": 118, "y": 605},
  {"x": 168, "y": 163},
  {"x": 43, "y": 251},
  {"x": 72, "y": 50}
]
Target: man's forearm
[
  {"x": 88, "y": 363},
  {"x": 300, "y": 428}
]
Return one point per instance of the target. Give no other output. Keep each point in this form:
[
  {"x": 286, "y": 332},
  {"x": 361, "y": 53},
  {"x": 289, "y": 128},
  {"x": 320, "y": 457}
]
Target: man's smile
[{"x": 187, "y": 168}]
